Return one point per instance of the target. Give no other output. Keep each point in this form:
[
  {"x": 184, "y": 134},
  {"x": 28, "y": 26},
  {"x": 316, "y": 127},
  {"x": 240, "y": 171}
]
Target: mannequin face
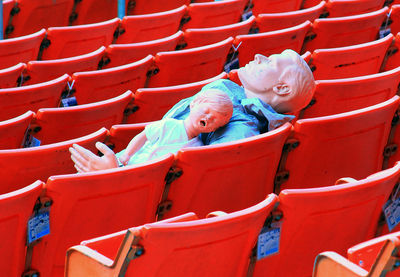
[
  {"x": 260, "y": 77},
  {"x": 204, "y": 119}
]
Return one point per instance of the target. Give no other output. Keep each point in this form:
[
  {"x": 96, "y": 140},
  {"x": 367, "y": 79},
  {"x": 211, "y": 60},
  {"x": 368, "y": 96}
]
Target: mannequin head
[
  {"x": 284, "y": 81},
  {"x": 209, "y": 110}
]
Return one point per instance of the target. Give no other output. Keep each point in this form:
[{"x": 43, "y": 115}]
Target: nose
[{"x": 259, "y": 58}]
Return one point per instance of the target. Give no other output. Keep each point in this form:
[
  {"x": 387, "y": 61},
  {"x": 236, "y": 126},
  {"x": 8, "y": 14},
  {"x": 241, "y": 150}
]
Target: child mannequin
[{"x": 209, "y": 110}]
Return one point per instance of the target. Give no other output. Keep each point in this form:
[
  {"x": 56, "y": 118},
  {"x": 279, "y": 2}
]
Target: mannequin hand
[
  {"x": 86, "y": 161},
  {"x": 124, "y": 158}
]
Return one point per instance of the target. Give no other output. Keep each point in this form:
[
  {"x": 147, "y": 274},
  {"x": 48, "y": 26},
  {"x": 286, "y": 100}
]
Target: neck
[{"x": 191, "y": 131}]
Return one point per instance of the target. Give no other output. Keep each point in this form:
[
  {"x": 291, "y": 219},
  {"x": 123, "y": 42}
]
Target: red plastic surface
[
  {"x": 337, "y": 8},
  {"x": 122, "y": 134},
  {"x": 275, "y": 6},
  {"x": 9, "y": 76},
  {"x": 154, "y": 6},
  {"x": 12, "y": 131}
]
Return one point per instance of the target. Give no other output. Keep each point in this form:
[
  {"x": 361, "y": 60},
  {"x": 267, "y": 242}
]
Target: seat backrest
[
  {"x": 350, "y": 61},
  {"x": 393, "y": 57},
  {"x": 267, "y": 22},
  {"x": 122, "y": 134},
  {"x": 328, "y": 218},
  {"x": 345, "y": 31},
  {"x": 146, "y": 27},
  {"x": 190, "y": 65},
  {"x": 196, "y": 37},
  {"x": 100, "y": 85},
  {"x": 8, "y": 5},
  {"x": 12, "y": 131},
  {"x": 15, "y": 209},
  {"x": 273, "y": 42},
  {"x": 31, "y": 16},
  {"x": 93, "y": 11},
  {"x": 120, "y": 54},
  {"x": 22, "y": 49},
  {"x": 20, "y": 167},
  {"x": 139, "y": 7},
  {"x": 59, "y": 124},
  {"x": 345, "y": 95},
  {"x": 275, "y": 6},
  {"x": 152, "y": 103},
  {"x": 41, "y": 71},
  {"x": 338, "y": 8},
  {"x": 15, "y": 101},
  {"x": 217, "y": 246},
  {"x": 113, "y": 200},
  {"x": 213, "y": 14},
  {"x": 395, "y": 18},
  {"x": 9, "y": 77},
  {"x": 346, "y": 144},
  {"x": 228, "y": 176},
  {"x": 70, "y": 41}
]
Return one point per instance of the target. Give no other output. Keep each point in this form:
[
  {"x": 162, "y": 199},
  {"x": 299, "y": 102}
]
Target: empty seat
[
  {"x": 120, "y": 54},
  {"x": 370, "y": 258},
  {"x": 227, "y": 176},
  {"x": 328, "y": 218},
  {"x": 139, "y": 28},
  {"x": 152, "y": 103},
  {"x": 95, "y": 204},
  {"x": 21, "y": 167},
  {"x": 189, "y": 65},
  {"x": 212, "y": 14},
  {"x": 99, "y": 85},
  {"x": 345, "y": 31},
  {"x": 393, "y": 55},
  {"x": 350, "y": 61},
  {"x": 12, "y": 131},
  {"x": 7, "y": 7},
  {"x": 330, "y": 147},
  {"x": 21, "y": 49},
  {"x": 30, "y": 16},
  {"x": 10, "y": 76},
  {"x": 93, "y": 11},
  {"x": 122, "y": 134},
  {"x": 70, "y": 41},
  {"x": 344, "y": 95},
  {"x": 337, "y": 8},
  {"x": 41, "y": 71},
  {"x": 196, "y": 37},
  {"x": 59, "y": 124},
  {"x": 139, "y": 7},
  {"x": 182, "y": 246},
  {"x": 273, "y": 42},
  {"x": 15, "y": 209},
  {"x": 275, "y": 6},
  {"x": 395, "y": 18},
  {"x": 18, "y": 100},
  {"x": 275, "y": 21}
]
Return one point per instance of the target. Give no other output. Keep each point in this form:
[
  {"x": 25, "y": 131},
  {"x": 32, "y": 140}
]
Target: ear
[{"x": 282, "y": 89}]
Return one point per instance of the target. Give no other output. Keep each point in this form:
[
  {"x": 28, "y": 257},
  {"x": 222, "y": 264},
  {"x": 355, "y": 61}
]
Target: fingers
[
  {"x": 81, "y": 167},
  {"x": 84, "y": 153},
  {"x": 105, "y": 150}
]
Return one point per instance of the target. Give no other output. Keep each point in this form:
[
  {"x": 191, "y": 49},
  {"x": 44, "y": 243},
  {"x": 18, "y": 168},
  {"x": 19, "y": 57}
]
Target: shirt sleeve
[{"x": 154, "y": 130}]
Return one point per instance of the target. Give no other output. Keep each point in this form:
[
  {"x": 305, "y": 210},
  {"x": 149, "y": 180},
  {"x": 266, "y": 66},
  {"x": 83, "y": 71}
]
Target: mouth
[{"x": 202, "y": 123}]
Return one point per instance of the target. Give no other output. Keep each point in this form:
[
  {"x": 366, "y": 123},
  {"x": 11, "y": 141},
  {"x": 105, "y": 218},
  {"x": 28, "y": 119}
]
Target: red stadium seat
[
  {"x": 30, "y": 16},
  {"x": 275, "y": 6},
  {"x": 122, "y": 134},
  {"x": 328, "y": 218},
  {"x": 21, "y": 49},
  {"x": 139, "y": 7},
  {"x": 93, "y": 11},
  {"x": 338, "y": 8},
  {"x": 190, "y": 65},
  {"x": 139, "y": 28},
  {"x": 246, "y": 177},
  {"x": 345, "y": 31},
  {"x": 271, "y": 42},
  {"x": 16, "y": 101},
  {"x": 217, "y": 246},
  {"x": 395, "y": 18},
  {"x": 213, "y": 14},
  {"x": 393, "y": 55},
  {"x": 41, "y": 71},
  {"x": 95, "y": 204},
  {"x": 10, "y": 76},
  {"x": 7, "y": 7},
  {"x": 267, "y": 22},
  {"x": 120, "y": 54},
  {"x": 345, "y": 95},
  {"x": 350, "y": 61},
  {"x": 12, "y": 131},
  {"x": 99, "y": 85},
  {"x": 15, "y": 208},
  {"x": 330, "y": 147},
  {"x": 152, "y": 103},
  {"x": 196, "y": 37},
  {"x": 70, "y": 41},
  {"x": 21, "y": 167},
  {"x": 59, "y": 124}
]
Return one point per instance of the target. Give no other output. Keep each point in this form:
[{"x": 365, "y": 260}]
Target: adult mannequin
[{"x": 274, "y": 85}]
